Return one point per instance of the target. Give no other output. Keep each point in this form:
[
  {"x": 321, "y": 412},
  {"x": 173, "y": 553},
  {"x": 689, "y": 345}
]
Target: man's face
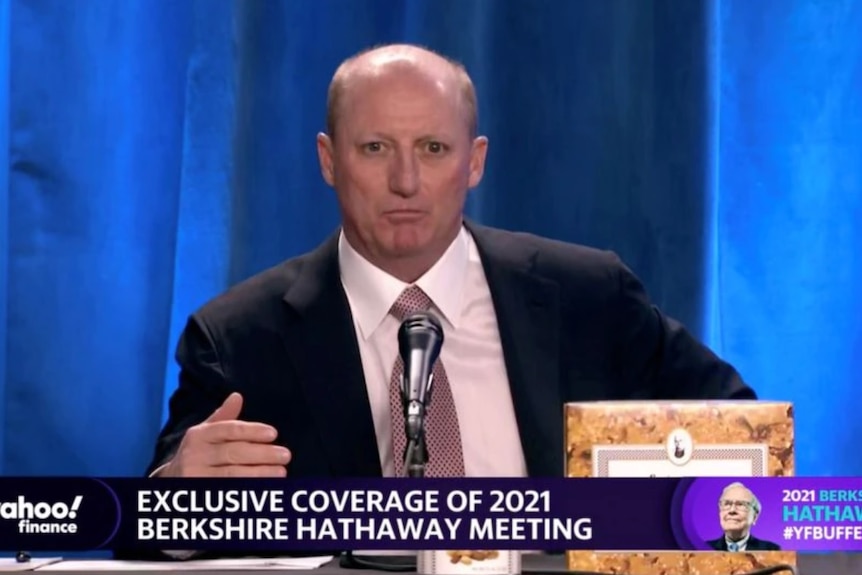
[
  {"x": 401, "y": 161},
  {"x": 736, "y": 512}
]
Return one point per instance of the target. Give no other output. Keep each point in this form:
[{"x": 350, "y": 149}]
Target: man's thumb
[{"x": 228, "y": 410}]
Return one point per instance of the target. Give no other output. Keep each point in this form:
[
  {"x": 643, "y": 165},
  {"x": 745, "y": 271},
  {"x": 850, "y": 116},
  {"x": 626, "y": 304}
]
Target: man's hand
[{"x": 223, "y": 446}]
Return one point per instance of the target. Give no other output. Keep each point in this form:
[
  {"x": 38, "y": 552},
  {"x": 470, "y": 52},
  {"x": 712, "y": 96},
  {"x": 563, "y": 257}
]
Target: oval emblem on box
[{"x": 679, "y": 446}]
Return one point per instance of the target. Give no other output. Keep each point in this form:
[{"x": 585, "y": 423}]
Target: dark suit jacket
[
  {"x": 754, "y": 544},
  {"x": 575, "y": 325}
]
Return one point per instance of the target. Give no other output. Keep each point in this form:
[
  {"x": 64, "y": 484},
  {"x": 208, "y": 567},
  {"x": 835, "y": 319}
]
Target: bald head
[{"x": 400, "y": 59}]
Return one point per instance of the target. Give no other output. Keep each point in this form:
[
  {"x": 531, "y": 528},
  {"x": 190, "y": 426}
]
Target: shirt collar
[
  {"x": 372, "y": 291},
  {"x": 739, "y": 544}
]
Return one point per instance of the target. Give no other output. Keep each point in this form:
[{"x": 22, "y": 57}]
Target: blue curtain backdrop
[{"x": 159, "y": 152}]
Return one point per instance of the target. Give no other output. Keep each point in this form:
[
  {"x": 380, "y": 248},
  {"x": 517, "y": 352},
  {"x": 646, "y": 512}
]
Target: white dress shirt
[
  {"x": 472, "y": 353},
  {"x": 741, "y": 545}
]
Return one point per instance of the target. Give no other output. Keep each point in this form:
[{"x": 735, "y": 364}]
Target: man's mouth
[{"x": 403, "y": 215}]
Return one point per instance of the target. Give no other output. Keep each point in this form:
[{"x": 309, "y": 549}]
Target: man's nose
[{"x": 404, "y": 174}]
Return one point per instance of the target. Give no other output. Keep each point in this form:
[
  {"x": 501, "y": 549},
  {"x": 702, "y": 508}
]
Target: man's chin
[{"x": 407, "y": 246}]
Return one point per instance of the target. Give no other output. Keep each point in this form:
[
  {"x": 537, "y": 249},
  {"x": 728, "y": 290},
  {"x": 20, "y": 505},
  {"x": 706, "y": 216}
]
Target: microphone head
[{"x": 420, "y": 331}]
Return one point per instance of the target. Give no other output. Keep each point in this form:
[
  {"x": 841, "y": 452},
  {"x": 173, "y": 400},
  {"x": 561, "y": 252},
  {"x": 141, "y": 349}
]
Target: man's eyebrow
[
  {"x": 423, "y": 138},
  {"x": 373, "y": 136},
  {"x": 438, "y": 136}
]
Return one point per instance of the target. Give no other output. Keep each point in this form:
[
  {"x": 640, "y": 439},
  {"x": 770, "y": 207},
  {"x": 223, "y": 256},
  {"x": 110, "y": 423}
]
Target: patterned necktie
[
  {"x": 442, "y": 434},
  {"x": 733, "y": 546}
]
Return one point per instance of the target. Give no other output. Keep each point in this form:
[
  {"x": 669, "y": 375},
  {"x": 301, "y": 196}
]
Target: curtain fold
[
  {"x": 159, "y": 153},
  {"x": 789, "y": 191},
  {"x": 96, "y": 138},
  {"x": 4, "y": 214}
]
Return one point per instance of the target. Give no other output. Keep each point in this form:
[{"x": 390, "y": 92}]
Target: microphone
[{"x": 419, "y": 341}]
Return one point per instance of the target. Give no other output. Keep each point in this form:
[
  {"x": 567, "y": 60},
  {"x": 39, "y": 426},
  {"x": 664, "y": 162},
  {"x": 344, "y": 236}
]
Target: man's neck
[{"x": 409, "y": 270}]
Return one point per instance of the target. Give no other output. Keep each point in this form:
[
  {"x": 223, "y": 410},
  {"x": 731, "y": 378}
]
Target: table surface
[{"x": 825, "y": 564}]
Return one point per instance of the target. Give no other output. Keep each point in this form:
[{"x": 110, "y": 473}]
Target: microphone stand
[
  {"x": 416, "y": 451},
  {"x": 415, "y": 459}
]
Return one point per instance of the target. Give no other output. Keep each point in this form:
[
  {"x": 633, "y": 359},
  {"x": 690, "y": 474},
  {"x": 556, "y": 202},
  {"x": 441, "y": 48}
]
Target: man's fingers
[
  {"x": 249, "y": 471},
  {"x": 228, "y": 410},
  {"x": 244, "y": 431},
  {"x": 242, "y": 453},
  {"x": 224, "y": 446}
]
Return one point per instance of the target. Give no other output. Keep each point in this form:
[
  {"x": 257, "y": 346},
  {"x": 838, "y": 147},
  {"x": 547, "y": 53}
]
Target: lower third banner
[{"x": 284, "y": 515}]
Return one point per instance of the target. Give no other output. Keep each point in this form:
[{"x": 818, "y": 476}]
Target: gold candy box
[
  {"x": 461, "y": 562},
  {"x": 678, "y": 439}
]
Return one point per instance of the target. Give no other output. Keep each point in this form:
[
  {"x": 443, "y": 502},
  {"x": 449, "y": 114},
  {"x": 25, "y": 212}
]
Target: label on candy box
[{"x": 468, "y": 563}]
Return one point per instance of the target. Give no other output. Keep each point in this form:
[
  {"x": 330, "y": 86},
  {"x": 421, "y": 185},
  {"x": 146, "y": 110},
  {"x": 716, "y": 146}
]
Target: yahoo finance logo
[{"x": 40, "y": 517}]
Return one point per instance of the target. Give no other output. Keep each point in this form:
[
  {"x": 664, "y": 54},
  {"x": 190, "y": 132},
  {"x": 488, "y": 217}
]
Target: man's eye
[
  {"x": 373, "y": 147},
  {"x": 435, "y": 147}
]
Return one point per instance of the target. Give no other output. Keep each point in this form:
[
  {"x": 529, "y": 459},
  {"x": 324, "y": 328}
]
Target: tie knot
[{"x": 411, "y": 300}]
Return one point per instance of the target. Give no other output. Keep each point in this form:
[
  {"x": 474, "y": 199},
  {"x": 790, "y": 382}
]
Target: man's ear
[
  {"x": 325, "y": 155},
  {"x": 478, "y": 153}
]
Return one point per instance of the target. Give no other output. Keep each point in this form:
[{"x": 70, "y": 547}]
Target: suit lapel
[
  {"x": 322, "y": 345},
  {"x": 528, "y": 315},
  {"x": 753, "y": 544}
]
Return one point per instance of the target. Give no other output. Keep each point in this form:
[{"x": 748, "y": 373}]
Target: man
[
  {"x": 291, "y": 371},
  {"x": 738, "y": 510}
]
